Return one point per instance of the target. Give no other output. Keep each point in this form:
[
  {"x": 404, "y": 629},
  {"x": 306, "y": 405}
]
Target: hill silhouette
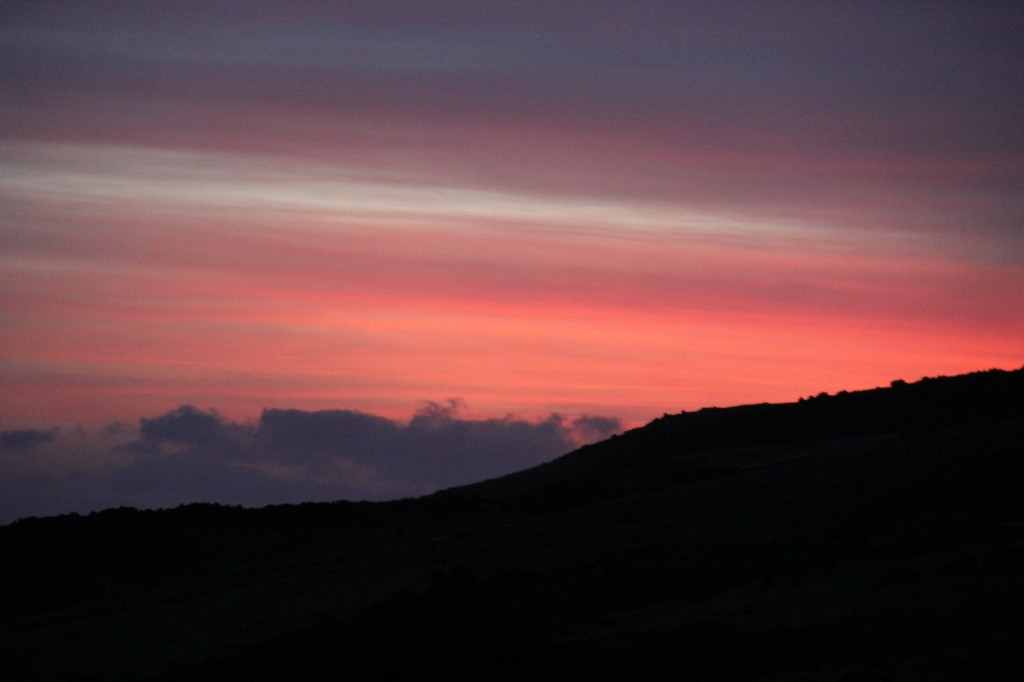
[{"x": 862, "y": 535}]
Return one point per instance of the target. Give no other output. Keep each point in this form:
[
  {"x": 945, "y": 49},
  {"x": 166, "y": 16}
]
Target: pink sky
[
  {"x": 369, "y": 211},
  {"x": 133, "y": 287}
]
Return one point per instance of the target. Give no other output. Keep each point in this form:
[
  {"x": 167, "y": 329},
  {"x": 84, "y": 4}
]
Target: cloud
[
  {"x": 186, "y": 425},
  {"x": 306, "y": 438},
  {"x": 287, "y": 455},
  {"x": 189, "y": 429},
  {"x": 436, "y": 448},
  {"x": 589, "y": 428},
  {"x": 25, "y": 439}
]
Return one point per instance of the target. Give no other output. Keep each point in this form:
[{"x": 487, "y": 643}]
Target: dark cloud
[
  {"x": 436, "y": 448},
  {"x": 186, "y": 425},
  {"x": 194, "y": 455},
  {"x": 297, "y": 437},
  {"x": 24, "y": 439},
  {"x": 168, "y": 480},
  {"x": 189, "y": 429},
  {"x": 589, "y": 428}
]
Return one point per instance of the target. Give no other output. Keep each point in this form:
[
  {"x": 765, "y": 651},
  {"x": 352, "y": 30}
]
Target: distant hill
[
  {"x": 865, "y": 535},
  {"x": 932, "y": 404}
]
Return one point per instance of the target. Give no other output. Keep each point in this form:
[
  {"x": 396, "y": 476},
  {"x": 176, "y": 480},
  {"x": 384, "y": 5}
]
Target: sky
[{"x": 436, "y": 242}]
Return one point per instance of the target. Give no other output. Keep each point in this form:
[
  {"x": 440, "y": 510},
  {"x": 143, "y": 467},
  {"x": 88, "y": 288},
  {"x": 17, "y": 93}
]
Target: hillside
[{"x": 862, "y": 535}]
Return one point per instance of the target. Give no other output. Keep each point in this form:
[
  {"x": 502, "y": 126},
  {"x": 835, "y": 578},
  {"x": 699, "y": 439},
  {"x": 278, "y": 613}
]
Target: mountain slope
[{"x": 866, "y": 534}]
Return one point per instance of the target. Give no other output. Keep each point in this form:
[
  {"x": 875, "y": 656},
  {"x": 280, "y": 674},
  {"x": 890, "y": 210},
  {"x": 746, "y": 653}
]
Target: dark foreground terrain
[{"x": 868, "y": 535}]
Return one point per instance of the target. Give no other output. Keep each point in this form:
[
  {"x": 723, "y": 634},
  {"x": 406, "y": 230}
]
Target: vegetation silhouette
[{"x": 867, "y": 534}]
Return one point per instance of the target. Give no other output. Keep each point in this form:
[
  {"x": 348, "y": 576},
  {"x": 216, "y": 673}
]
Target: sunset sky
[{"x": 506, "y": 217}]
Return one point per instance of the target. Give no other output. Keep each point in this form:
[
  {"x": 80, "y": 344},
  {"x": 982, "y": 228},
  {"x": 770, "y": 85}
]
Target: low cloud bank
[
  {"x": 194, "y": 455},
  {"x": 25, "y": 439}
]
